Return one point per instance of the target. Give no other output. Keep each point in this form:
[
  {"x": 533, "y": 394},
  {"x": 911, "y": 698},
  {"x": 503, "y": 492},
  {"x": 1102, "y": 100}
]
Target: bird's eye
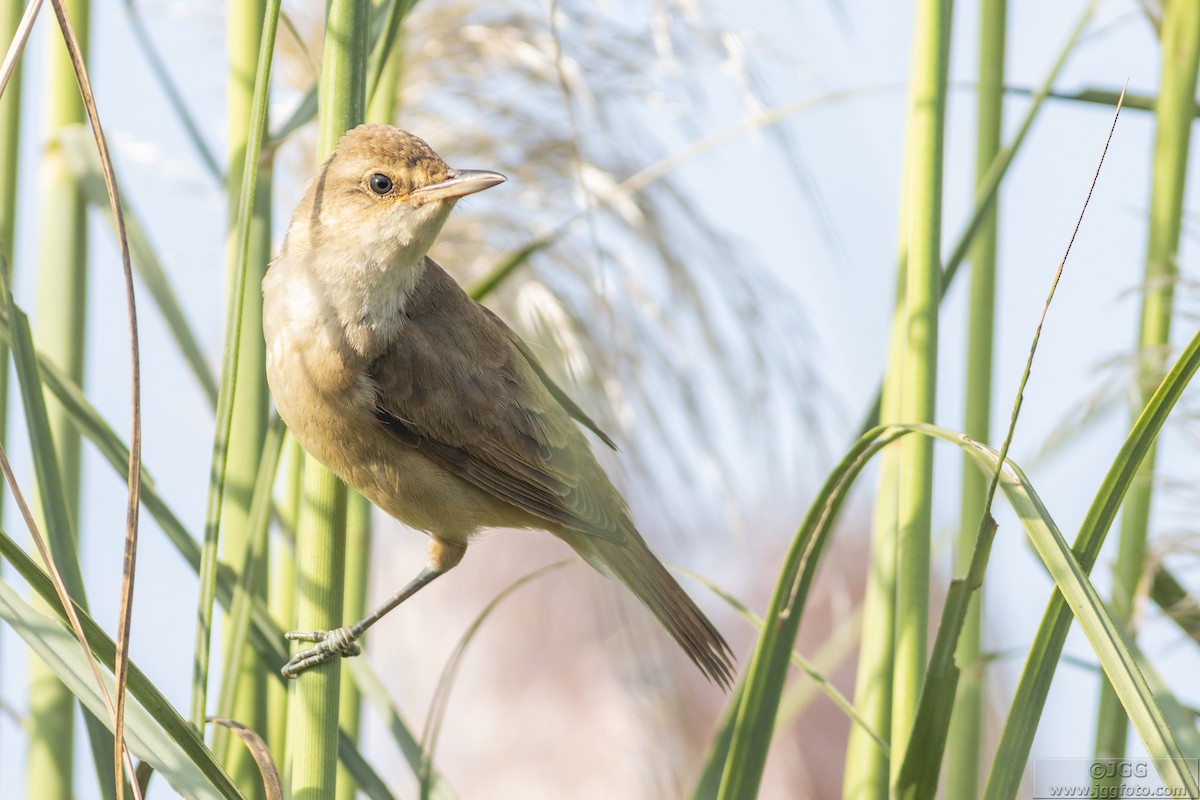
[{"x": 380, "y": 183}]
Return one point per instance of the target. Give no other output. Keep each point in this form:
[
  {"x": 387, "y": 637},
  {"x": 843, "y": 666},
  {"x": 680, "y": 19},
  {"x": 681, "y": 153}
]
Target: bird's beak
[{"x": 461, "y": 183}]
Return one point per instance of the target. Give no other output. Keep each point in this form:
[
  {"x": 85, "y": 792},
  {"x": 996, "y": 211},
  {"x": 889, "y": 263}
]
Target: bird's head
[
  {"x": 385, "y": 187},
  {"x": 356, "y": 245}
]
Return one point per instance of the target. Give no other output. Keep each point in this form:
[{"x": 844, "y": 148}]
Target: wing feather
[{"x": 458, "y": 386}]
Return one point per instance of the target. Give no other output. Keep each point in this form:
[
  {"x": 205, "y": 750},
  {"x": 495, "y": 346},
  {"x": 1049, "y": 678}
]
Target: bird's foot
[{"x": 337, "y": 642}]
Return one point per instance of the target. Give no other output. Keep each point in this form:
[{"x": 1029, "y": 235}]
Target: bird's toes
[{"x": 337, "y": 642}]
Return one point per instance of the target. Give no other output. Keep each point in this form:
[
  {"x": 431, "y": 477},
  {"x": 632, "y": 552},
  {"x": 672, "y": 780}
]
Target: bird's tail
[{"x": 632, "y": 562}]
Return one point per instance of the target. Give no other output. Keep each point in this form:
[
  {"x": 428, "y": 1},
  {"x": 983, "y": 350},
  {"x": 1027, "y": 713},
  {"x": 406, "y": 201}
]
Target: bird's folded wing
[
  {"x": 456, "y": 388},
  {"x": 564, "y": 399}
]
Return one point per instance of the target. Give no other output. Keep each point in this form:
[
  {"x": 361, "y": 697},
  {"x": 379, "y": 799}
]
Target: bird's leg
[{"x": 344, "y": 641}]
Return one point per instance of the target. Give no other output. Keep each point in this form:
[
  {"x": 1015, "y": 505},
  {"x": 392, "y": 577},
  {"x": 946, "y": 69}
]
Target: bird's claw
[{"x": 337, "y": 642}]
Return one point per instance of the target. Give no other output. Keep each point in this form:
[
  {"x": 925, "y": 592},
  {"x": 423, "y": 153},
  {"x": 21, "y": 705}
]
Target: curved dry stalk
[{"x": 133, "y": 501}]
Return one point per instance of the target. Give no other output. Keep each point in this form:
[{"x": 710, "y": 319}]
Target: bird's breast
[
  {"x": 328, "y": 402},
  {"x": 323, "y": 397}
]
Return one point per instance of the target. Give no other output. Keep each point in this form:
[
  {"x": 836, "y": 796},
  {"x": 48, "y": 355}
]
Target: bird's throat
[{"x": 372, "y": 308}]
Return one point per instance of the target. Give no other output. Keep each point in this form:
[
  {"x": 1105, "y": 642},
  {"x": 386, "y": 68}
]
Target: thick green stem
[
  {"x": 313, "y": 703},
  {"x": 382, "y": 105},
  {"x": 963, "y": 770},
  {"x": 282, "y": 591},
  {"x": 321, "y": 538},
  {"x": 382, "y": 108},
  {"x": 867, "y": 768},
  {"x": 10, "y": 140},
  {"x": 1174, "y": 115},
  {"x": 358, "y": 562},
  {"x": 923, "y": 291},
  {"x": 60, "y": 328}
]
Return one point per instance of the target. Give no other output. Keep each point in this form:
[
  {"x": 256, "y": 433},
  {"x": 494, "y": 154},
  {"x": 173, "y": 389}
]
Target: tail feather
[{"x": 636, "y": 566}]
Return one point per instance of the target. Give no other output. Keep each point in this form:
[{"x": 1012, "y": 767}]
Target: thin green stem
[
  {"x": 248, "y": 425},
  {"x": 249, "y": 588},
  {"x": 229, "y": 374},
  {"x": 1174, "y": 117}
]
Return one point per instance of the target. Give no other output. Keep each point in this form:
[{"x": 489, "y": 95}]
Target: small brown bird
[{"x": 424, "y": 400}]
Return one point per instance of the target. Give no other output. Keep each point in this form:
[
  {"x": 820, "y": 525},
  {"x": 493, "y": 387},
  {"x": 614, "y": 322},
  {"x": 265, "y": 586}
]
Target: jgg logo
[{"x": 1123, "y": 769}]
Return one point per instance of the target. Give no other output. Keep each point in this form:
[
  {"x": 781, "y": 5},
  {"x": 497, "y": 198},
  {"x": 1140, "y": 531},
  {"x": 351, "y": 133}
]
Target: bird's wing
[
  {"x": 455, "y": 387},
  {"x": 564, "y": 399}
]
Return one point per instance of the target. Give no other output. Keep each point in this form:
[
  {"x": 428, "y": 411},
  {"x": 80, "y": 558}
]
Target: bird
[{"x": 425, "y": 401}]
